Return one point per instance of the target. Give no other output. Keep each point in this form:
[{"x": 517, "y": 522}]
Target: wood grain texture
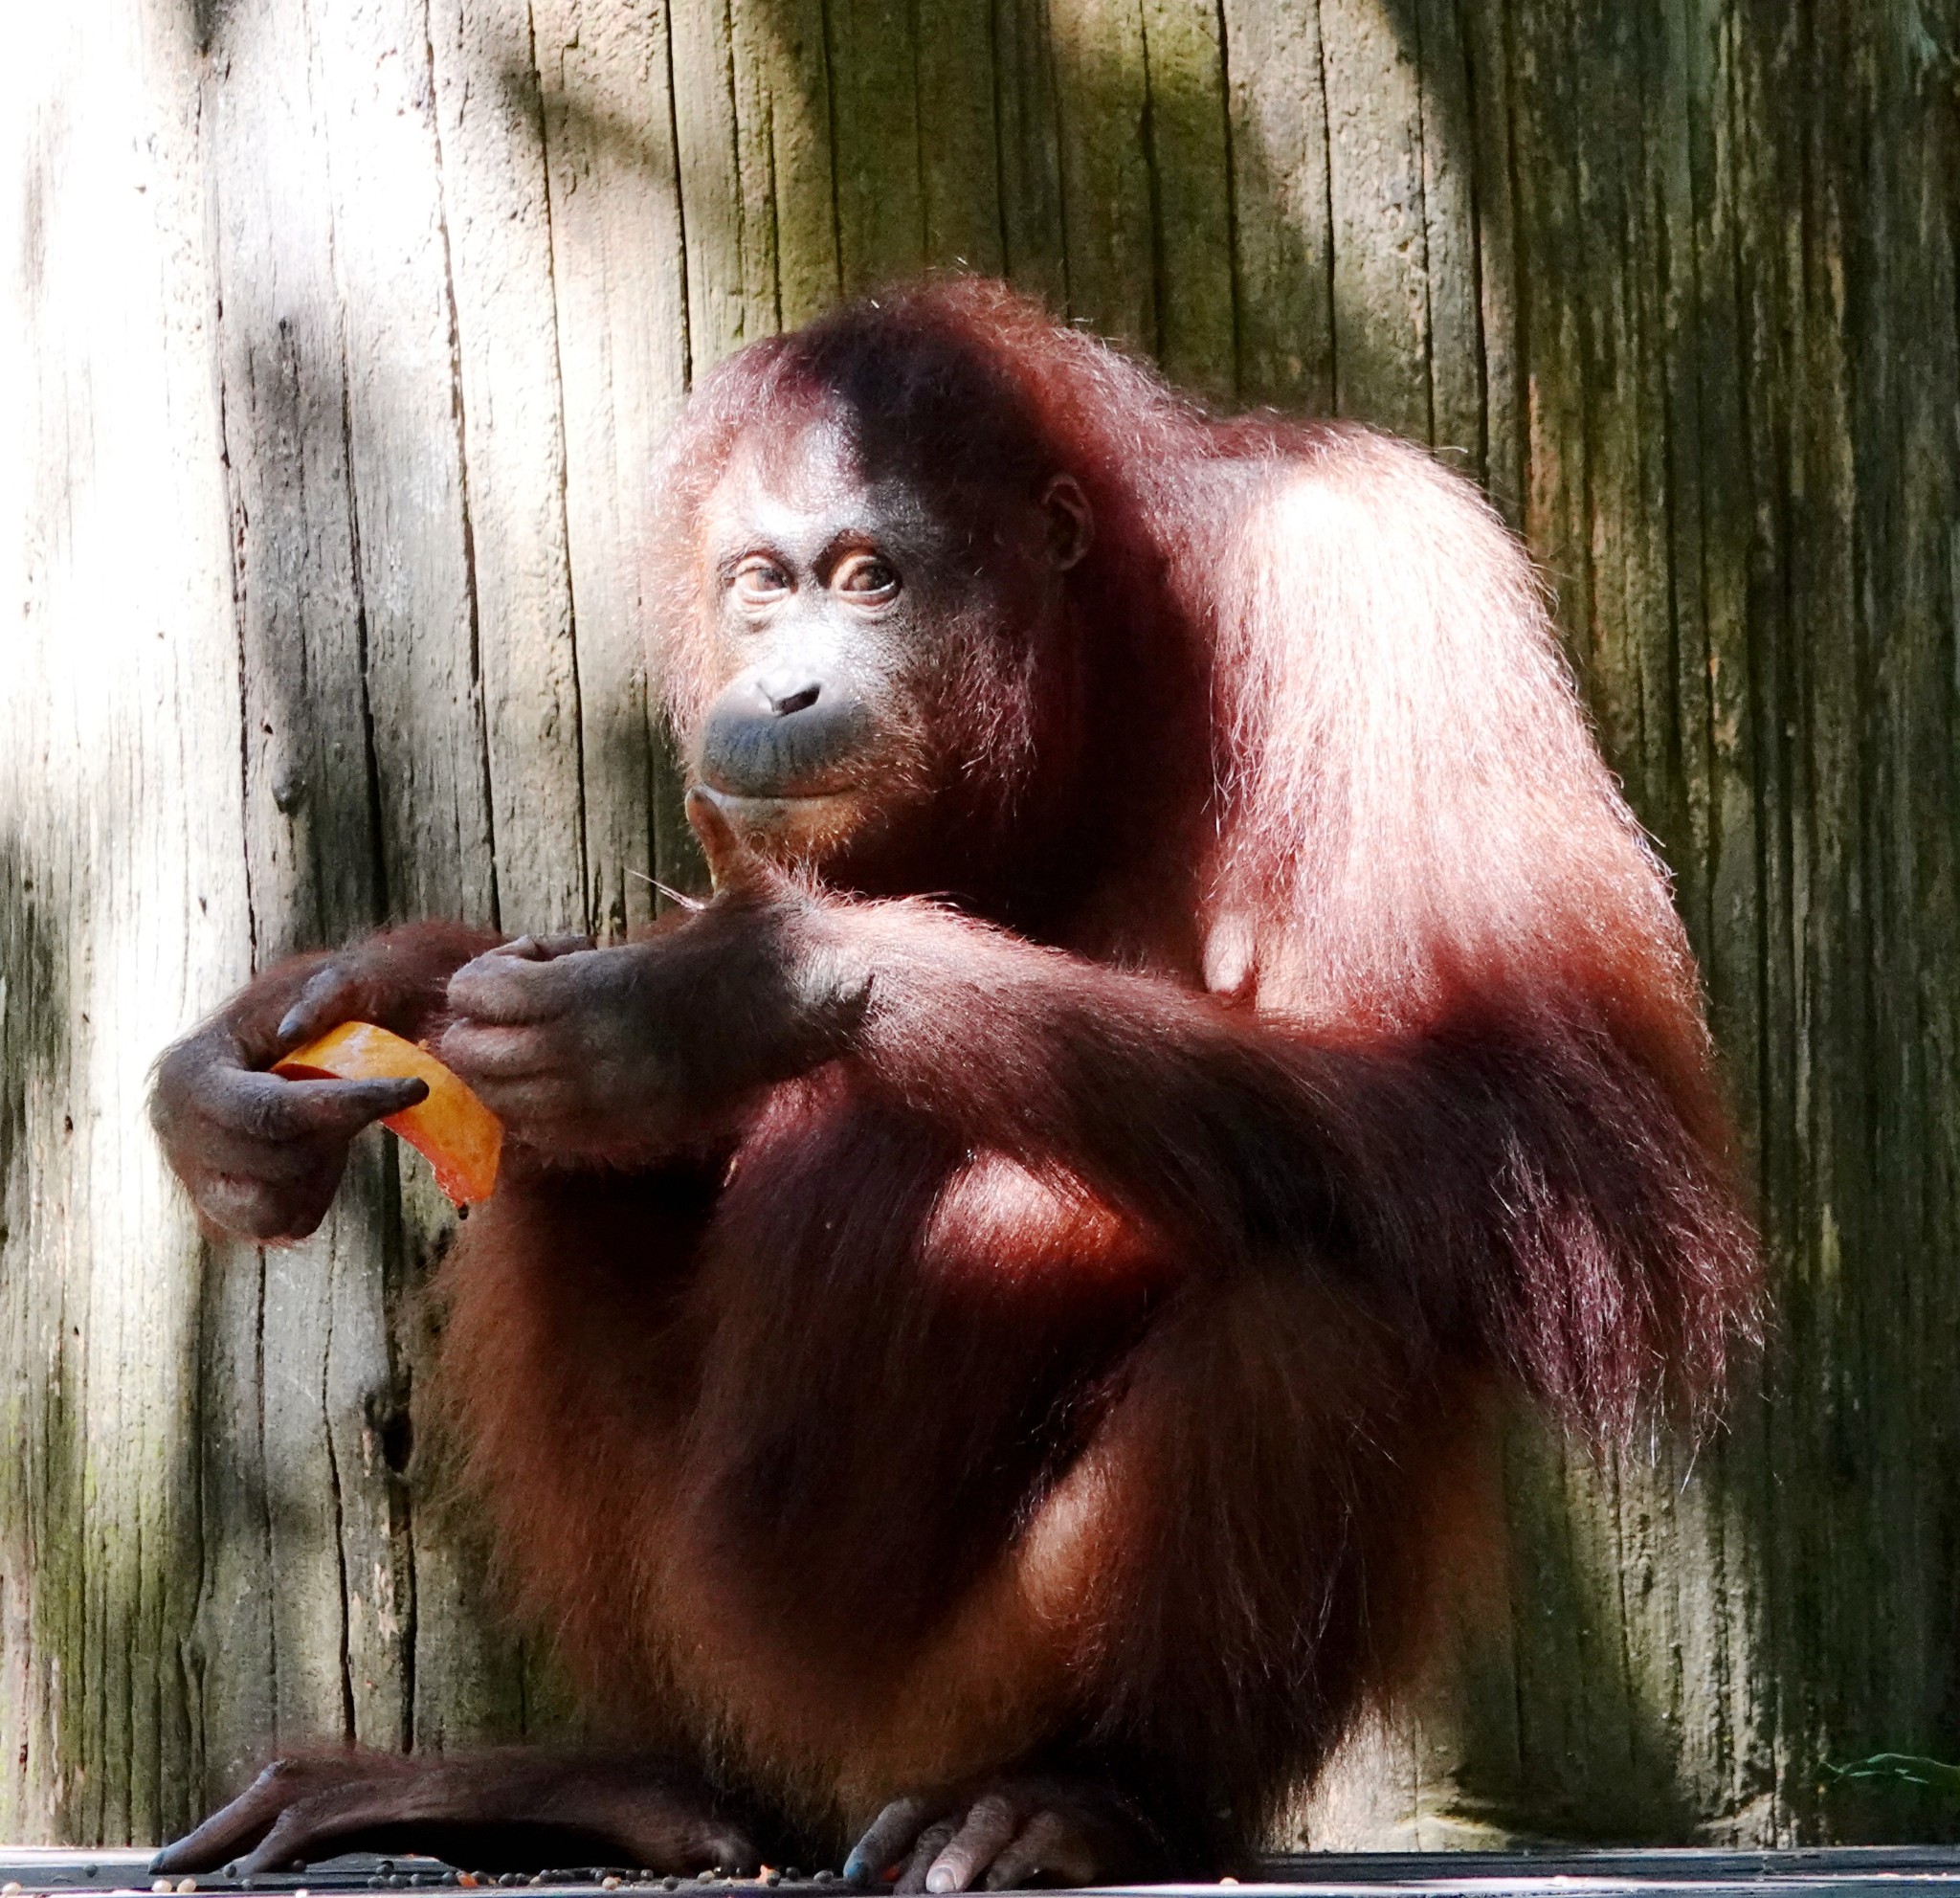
[{"x": 338, "y": 341}]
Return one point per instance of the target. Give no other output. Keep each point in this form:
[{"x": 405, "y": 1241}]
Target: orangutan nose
[
  {"x": 797, "y": 698},
  {"x": 795, "y": 733}
]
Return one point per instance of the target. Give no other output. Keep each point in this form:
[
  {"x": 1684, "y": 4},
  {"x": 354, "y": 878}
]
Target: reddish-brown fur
[
  {"x": 1056, "y": 1378},
  {"x": 1065, "y": 1374}
]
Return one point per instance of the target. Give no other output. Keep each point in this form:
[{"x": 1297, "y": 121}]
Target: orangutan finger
[
  {"x": 989, "y": 1826},
  {"x": 1048, "y": 1847},
  {"x": 242, "y": 1820},
  {"x": 483, "y": 1052},
  {"x": 332, "y": 997},
  {"x": 506, "y": 989},
  {"x": 338, "y": 1813},
  {"x": 886, "y": 1840},
  {"x": 932, "y": 1842},
  {"x": 735, "y": 867},
  {"x": 546, "y": 949},
  {"x": 248, "y": 1104}
]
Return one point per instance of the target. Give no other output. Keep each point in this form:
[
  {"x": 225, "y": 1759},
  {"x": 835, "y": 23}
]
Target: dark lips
[{"x": 745, "y": 753}]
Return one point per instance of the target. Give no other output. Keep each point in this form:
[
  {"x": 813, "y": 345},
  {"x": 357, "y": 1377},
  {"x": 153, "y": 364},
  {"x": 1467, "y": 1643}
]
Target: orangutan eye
[
  {"x": 758, "y": 581},
  {"x": 867, "y": 579}
]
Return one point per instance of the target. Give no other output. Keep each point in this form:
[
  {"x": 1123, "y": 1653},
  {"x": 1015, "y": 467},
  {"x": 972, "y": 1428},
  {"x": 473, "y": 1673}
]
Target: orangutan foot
[
  {"x": 1006, "y": 1833},
  {"x": 486, "y": 1809}
]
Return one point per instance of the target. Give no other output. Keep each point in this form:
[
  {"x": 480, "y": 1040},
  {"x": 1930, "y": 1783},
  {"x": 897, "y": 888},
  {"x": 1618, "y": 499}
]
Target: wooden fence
[{"x": 338, "y": 335}]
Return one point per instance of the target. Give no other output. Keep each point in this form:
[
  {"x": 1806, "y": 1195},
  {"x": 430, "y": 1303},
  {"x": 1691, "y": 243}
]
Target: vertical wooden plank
[
  {"x": 620, "y": 279},
  {"x": 496, "y": 213},
  {"x": 1028, "y": 156},
  {"x": 1487, "y": 151},
  {"x": 1628, "y": 635},
  {"x": 871, "y": 51},
  {"x": 1380, "y": 258},
  {"x": 789, "y": 120},
  {"x": 1802, "y": 867},
  {"x": 1615, "y": 1732},
  {"x": 1919, "y": 701},
  {"x": 1725, "y": 856},
  {"x": 297, "y": 594},
  {"x": 1742, "y": 860},
  {"x": 1190, "y": 189},
  {"x": 1103, "y": 92},
  {"x": 1868, "y": 273},
  {"x": 1283, "y": 239},
  {"x": 301, "y": 1589},
  {"x": 754, "y": 123},
  {"x": 728, "y": 300},
  {"x": 1454, "y": 339},
  {"x": 391, "y": 263},
  {"x": 121, "y": 904},
  {"x": 396, "y": 280},
  {"x": 960, "y": 152},
  {"x": 1545, "y": 125}
]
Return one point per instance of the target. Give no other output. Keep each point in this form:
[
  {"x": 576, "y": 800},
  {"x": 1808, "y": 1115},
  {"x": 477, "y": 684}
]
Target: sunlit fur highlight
[{"x": 1066, "y": 1378}]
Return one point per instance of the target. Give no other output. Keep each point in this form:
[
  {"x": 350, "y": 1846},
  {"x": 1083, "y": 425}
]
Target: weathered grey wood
[
  {"x": 620, "y": 279},
  {"x": 496, "y": 213},
  {"x": 1281, "y": 230},
  {"x": 1109, "y": 248},
  {"x": 1028, "y": 153},
  {"x": 294, "y": 1342},
  {"x": 122, "y": 905},
  {"x": 1381, "y": 280},
  {"x": 338, "y": 341}
]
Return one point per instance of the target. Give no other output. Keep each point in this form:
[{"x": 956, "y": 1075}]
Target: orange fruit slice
[{"x": 460, "y": 1136}]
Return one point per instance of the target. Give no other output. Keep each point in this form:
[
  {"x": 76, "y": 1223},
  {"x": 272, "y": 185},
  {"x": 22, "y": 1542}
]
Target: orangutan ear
[{"x": 1071, "y": 521}]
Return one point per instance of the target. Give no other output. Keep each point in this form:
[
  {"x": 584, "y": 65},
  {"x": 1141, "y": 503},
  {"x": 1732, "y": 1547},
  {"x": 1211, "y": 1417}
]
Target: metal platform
[{"x": 1862, "y": 1871}]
